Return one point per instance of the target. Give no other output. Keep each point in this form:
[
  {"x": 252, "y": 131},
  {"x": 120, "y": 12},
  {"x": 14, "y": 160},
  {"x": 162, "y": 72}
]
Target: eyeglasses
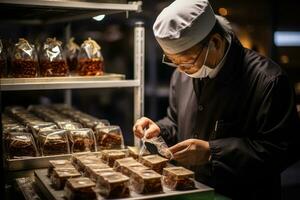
[{"x": 167, "y": 61}]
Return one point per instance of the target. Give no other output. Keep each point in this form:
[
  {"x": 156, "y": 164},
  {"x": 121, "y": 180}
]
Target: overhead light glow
[
  {"x": 223, "y": 11},
  {"x": 287, "y": 38},
  {"x": 99, "y": 17}
]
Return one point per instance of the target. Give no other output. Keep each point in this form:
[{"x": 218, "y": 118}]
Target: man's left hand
[{"x": 191, "y": 152}]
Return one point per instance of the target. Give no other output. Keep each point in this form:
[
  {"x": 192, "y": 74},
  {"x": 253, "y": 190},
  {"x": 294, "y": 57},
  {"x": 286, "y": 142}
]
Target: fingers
[
  {"x": 152, "y": 131},
  {"x": 140, "y": 124}
]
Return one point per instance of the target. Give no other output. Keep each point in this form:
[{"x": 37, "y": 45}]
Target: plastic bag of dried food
[
  {"x": 72, "y": 50},
  {"x": 53, "y": 142},
  {"x": 24, "y": 60},
  {"x": 37, "y": 127},
  {"x": 90, "y": 59},
  {"x": 109, "y": 137},
  {"x": 20, "y": 145},
  {"x": 52, "y": 59},
  {"x": 82, "y": 140},
  {"x": 178, "y": 178},
  {"x": 3, "y": 61}
]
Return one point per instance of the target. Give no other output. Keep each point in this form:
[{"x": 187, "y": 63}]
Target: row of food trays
[
  {"x": 55, "y": 130},
  {"x": 116, "y": 174}
]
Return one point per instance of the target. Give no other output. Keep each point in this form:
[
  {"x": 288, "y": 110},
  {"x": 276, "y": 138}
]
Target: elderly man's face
[{"x": 189, "y": 61}]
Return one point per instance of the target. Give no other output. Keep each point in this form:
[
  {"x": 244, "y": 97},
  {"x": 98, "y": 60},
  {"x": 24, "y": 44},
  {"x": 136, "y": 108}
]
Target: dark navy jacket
[{"x": 248, "y": 115}]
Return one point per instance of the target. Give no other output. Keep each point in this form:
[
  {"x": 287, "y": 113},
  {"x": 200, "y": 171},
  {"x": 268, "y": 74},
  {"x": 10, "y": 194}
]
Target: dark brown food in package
[
  {"x": 109, "y": 137},
  {"x": 19, "y": 145},
  {"x": 36, "y": 128},
  {"x": 13, "y": 127},
  {"x": 58, "y": 164},
  {"x": 113, "y": 185},
  {"x": 146, "y": 181},
  {"x": 109, "y": 156},
  {"x": 53, "y": 62},
  {"x": 90, "y": 60},
  {"x": 3, "y": 61},
  {"x": 67, "y": 125},
  {"x": 82, "y": 162},
  {"x": 178, "y": 178},
  {"x": 24, "y": 60},
  {"x": 91, "y": 170},
  {"x": 119, "y": 163},
  {"x": 79, "y": 188},
  {"x": 82, "y": 140},
  {"x": 53, "y": 142},
  {"x": 61, "y": 175},
  {"x": 155, "y": 162},
  {"x": 135, "y": 152},
  {"x": 72, "y": 50},
  {"x": 133, "y": 167}
]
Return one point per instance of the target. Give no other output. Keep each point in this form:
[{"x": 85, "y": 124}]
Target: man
[{"x": 231, "y": 115}]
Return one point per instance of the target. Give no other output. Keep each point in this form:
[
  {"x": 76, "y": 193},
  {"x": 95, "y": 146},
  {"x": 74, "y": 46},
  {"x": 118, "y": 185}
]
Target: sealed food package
[
  {"x": 155, "y": 145},
  {"x": 81, "y": 140},
  {"x": 100, "y": 123},
  {"x": 72, "y": 50},
  {"x": 60, "y": 176},
  {"x": 109, "y": 137},
  {"x": 119, "y": 163},
  {"x": 68, "y": 125},
  {"x": 155, "y": 162},
  {"x": 79, "y": 188},
  {"x": 113, "y": 185},
  {"x": 13, "y": 127},
  {"x": 53, "y": 142},
  {"x": 90, "y": 60},
  {"x": 134, "y": 152},
  {"x": 58, "y": 164},
  {"x": 82, "y": 162},
  {"x": 92, "y": 170},
  {"x": 76, "y": 158},
  {"x": 109, "y": 156},
  {"x": 3, "y": 61},
  {"x": 52, "y": 60},
  {"x": 20, "y": 145},
  {"x": 178, "y": 178},
  {"x": 24, "y": 60},
  {"x": 37, "y": 127},
  {"x": 132, "y": 167},
  {"x": 146, "y": 181}
]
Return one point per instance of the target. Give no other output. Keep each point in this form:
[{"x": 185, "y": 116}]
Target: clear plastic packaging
[
  {"x": 119, "y": 163},
  {"x": 60, "y": 176},
  {"x": 13, "y": 127},
  {"x": 155, "y": 162},
  {"x": 90, "y": 59},
  {"x": 53, "y": 142},
  {"x": 134, "y": 152},
  {"x": 20, "y": 145},
  {"x": 82, "y": 162},
  {"x": 82, "y": 140},
  {"x": 24, "y": 60},
  {"x": 79, "y": 188},
  {"x": 113, "y": 185},
  {"x": 3, "y": 61},
  {"x": 109, "y": 156},
  {"x": 109, "y": 137},
  {"x": 156, "y": 145},
  {"x": 52, "y": 60},
  {"x": 146, "y": 181},
  {"x": 94, "y": 170},
  {"x": 58, "y": 164},
  {"x": 72, "y": 50},
  {"x": 67, "y": 125},
  {"x": 36, "y": 128},
  {"x": 178, "y": 178}
]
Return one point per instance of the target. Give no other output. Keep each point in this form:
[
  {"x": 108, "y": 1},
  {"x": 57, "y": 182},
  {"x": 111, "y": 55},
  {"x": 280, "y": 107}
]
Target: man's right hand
[{"x": 152, "y": 130}]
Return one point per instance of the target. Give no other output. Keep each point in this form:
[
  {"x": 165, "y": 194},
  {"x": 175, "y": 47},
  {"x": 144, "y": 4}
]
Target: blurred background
[{"x": 270, "y": 27}]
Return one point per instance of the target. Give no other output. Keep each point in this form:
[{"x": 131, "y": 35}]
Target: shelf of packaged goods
[
  {"x": 55, "y": 11},
  {"x": 71, "y": 82}
]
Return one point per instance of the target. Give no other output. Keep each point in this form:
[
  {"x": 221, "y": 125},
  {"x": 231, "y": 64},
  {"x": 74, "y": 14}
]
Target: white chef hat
[{"x": 183, "y": 24}]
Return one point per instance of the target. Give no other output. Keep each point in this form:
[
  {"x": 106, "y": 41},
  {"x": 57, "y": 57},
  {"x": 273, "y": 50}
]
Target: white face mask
[{"x": 203, "y": 71}]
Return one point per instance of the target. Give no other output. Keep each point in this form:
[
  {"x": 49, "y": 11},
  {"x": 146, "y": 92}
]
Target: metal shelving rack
[{"x": 56, "y": 11}]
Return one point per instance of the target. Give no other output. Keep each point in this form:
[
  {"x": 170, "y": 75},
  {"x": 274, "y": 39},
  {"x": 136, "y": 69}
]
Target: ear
[{"x": 216, "y": 42}]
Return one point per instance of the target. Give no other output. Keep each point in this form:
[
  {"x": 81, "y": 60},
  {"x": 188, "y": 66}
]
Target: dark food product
[
  {"x": 146, "y": 181},
  {"x": 58, "y": 164},
  {"x": 53, "y": 142},
  {"x": 109, "y": 156},
  {"x": 20, "y": 145},
  {"x": 178, "y": 178},
  {"x": 79, "y": 188},
  {"x": 131, "y": 168},
  {"x": 91, "y": 170},
  {"x": 81, "y": 140},
  {"x": 61, "y": 175},
  {"x": 155, "y": 162},
  {"x": 135, "y": 152},
  {"x": 13, "y": 127},
  {"x": 109, "y": 137},
  {"x": 67, "y": 125},
  {"x": 24, "y": 68},
  {"x": 54, "y": 68},
  {"x": 118, "y": 165},
  {"x": 113, "y": 185},
  {"x": 36, "y": 128},
  {"x": 82, "y": 162},
  {"x": 90, "y": 67}
]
